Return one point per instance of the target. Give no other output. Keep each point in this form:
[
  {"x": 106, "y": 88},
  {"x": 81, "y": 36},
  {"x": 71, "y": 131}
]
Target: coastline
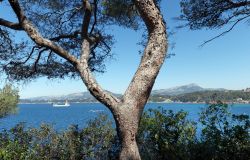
[{"x": 229, "y": 103}]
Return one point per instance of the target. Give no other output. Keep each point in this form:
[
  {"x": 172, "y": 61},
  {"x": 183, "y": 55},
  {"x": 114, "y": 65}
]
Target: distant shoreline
[
  {"x": 147, "y": 102},
  {"x": 52, "y": 103}
]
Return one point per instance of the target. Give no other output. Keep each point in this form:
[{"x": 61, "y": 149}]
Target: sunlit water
[{"x": 61, "y": 118}]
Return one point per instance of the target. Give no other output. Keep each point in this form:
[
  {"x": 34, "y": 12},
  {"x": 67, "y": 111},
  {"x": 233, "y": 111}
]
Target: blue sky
[{"x": 223, "y": 63}]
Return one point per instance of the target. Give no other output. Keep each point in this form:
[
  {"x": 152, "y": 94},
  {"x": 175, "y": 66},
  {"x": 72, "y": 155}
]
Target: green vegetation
[
  {"x": 205, "y": 96},
  {"x": 224, "y": 136},
  {"x": 165, "y": 135},
  {"x": 162, "y": 134},
  {"x": 214, "y": 14},
  {"x": 8, "y": 100},
  {"x": 92, "y": 142}
]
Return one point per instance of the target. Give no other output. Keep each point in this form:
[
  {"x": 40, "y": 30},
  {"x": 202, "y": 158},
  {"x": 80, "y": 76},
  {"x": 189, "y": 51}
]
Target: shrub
[
  {"x": 224, "y": 136},
  {"x": 163, "y": 134},
  {"x": 92, "y": 142}
]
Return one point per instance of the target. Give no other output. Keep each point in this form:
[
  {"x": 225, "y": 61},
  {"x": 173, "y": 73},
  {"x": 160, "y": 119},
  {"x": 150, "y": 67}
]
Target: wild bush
[{"x": 163, "y": 134}]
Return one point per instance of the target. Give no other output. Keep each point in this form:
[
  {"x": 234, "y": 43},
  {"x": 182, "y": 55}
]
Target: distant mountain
[
  {"x": 190, "y": 88},
  {"x": 70, "y": 97},
  {"x": 73, "y": 97},
  {"x": 87, "y": 97}
]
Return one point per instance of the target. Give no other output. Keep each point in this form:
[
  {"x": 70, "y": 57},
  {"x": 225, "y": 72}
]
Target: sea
[{"x": 61, "y": 118}]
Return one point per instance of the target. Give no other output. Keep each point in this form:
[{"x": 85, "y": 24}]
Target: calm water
[{"x": 61, "y": 118}]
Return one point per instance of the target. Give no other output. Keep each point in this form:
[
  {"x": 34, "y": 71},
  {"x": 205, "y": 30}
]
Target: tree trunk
[
  {"x": 129, "y": 150},
  {"x": 128, "y": 110},
  {"x": 127, "y": 120}
]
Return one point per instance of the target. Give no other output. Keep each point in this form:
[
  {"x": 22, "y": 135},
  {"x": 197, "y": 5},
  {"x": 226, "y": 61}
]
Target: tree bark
[
  {"x": 127, "y": 120},
  {"x": 136, "y": 96},
  {"x": 128, "y": 110}
]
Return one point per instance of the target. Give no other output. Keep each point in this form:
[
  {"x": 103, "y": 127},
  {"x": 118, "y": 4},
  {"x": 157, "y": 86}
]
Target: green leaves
[
  {"x": 122, "y": 12},
  {"x": 8, "y": 100},
  {"x": 92, "y": 142},
  {"x": 163, "y": 134},
  {"x": 224, "y": 136}
]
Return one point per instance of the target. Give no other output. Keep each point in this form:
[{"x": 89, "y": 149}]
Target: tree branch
[
  {"x": 86, "y": 19},
  {"x": 95, "y": 17},
  {"x": 240, "y": 4},
  {"x": 153, "y": 57},
  {"x": 49, "y": 56},
  {"x": 15, "y": 26},
  {"x": 37, "y": 59},
  {"x": 225, "y": 32},
  {"x": 30, "y": 54},
  {"x": 235, "y": 5},
  {"x": 5, "y": 35},
  {"x": 64, "y": 36},
  {"x": 95, "y": 89},
  {"x": 36, "y": 36}
]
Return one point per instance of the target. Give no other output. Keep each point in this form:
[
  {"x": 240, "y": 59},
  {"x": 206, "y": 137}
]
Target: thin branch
[
  {"x": 30, "y": 54},
  {"x": 73, "y": 14},
  {"x": 49, "y": 56},
  {"x": 240, "y": 4},
  {"x": 236, "y": 4},
  {"x": 65, "y": 36},
  {"x": 6, "y": 37},
  {"x": 225, "y": 32},
  {"x": 86, "y": 19},
  {"x": 105, "y": 44},
  {"x": 61, "y": 13},
  {"x": 15, "y": 26},
  {"x": 37, "y": 59},
  {"x": 95, "y": 17}
]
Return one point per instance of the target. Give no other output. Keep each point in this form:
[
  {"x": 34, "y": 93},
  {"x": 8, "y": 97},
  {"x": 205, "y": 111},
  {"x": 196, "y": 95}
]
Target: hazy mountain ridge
[
  {"x": 72, "y": 97},
  {"x": 87, "y": 97},
  {"x": 190, "y": 88}
]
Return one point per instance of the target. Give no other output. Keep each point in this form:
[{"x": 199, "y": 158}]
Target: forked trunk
[{"x": 128, "y": 110}]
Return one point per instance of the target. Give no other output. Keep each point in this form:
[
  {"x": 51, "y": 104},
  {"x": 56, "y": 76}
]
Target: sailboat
[{"x": 66, "y": 104}]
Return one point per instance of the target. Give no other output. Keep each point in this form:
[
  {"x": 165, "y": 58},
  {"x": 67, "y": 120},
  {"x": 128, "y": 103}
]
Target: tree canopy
[
  {"x": 65, "y": 24},
  {"x": 214, "y": 14},
  {"x": 8, "y": 100}
]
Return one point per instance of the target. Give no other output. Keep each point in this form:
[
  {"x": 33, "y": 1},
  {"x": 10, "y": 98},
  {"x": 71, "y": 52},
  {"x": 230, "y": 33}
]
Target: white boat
[
  {"x": 66, "y": 104},
  {"x": 96, "y": 110}
]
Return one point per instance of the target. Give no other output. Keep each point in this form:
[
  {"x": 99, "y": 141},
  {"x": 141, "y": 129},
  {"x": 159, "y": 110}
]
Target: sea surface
[{"x": 80, "y": 113}]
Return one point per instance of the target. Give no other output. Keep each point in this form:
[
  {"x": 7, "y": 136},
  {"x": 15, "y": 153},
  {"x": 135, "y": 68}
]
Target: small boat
[
  {"x": 96, "y": 110},
  {"x": 66, "y": 104}
]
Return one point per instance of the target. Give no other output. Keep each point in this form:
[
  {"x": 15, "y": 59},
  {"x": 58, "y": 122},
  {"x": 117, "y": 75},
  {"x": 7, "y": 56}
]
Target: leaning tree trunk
[
  {"x": 133, "y": 102},
  {"x": 127, "y": 112}
]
